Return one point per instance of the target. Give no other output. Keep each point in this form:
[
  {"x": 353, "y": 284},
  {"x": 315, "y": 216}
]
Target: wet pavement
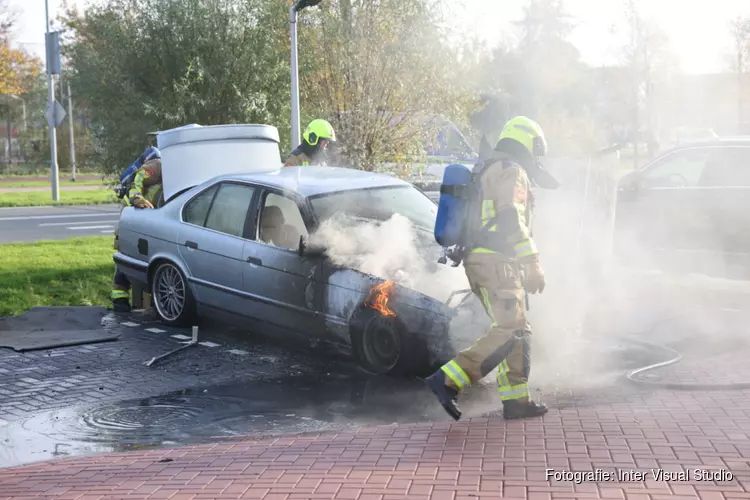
[{"x": 100, "y": 398}]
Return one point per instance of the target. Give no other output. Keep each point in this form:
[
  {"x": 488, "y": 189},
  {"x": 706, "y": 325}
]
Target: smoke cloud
[{"x": 393, "y": 250}]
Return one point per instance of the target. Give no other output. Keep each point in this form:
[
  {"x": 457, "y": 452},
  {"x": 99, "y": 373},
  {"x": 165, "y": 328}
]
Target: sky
[{"x": 698, "y": 29}]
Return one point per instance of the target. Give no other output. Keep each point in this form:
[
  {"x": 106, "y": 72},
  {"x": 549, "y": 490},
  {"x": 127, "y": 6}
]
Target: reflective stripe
[
  {"x": 514, "y": 392},
  {"x": 502, "y": 375},
  {"x": 487, "y": 305},
  {"x": 525, "y": 248},
  {"x": 488, "y": 212},
  {"x": 457, "y": 374},
  {"x": 119, "y": 294}
]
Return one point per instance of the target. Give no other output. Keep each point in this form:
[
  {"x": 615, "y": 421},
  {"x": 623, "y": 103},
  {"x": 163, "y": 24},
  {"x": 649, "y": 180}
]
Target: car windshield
[{"x": 378, "y": 204}]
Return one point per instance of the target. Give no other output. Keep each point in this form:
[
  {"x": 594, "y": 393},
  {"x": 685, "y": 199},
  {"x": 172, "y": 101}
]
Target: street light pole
[
  {"x": 296, "y": 7},
  {"x": 295, "y": 78},
  {"x": 54, "y": 172},
  {"x": 71, "y": 133}
]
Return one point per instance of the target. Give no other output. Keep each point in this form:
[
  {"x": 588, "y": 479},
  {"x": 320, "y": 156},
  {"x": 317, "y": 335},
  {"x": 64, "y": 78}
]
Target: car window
[
  {"x": 196, "y": 210},
  {"x": 727, "y": 167},
  {"x": 281, "y": 222},
  {"x": 680, "y": 169},
  {"x": 379, "y": 204},
  {"x": 229, "y": 209}
]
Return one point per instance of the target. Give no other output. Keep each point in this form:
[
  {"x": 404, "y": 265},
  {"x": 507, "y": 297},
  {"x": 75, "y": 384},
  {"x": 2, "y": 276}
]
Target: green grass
[
  {"x": 41, "y": 198},
  {"x": 73, "y": 272},
  {"x": 28, "y": 184}
]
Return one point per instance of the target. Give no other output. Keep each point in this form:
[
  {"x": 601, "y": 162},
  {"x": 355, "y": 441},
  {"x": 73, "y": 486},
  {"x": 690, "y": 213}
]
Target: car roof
[
  {"x": 739, "y": 140},
  {"x": 315, "y": 180}
]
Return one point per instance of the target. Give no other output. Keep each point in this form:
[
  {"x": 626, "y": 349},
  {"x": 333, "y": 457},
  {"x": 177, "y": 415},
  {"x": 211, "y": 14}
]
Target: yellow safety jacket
[
  {"x": 506, "y": 212},
  {"x": 147, "y": 183}
]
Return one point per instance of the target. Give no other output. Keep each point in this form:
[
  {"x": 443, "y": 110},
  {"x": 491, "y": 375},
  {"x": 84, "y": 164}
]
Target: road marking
[
  {"x": 71, "y": 216},
  {"x": 181, "y": 337},
  {"x": 75, "y": 223},
  {"x": 238, "y": 352},
  {"x": 107, "y": 231},
  {"x": 155, "y": 330},
  {"x": 89, "y": 227},
  {"x": 209, "y": 344},
  {"x": 129, "y": 323}
]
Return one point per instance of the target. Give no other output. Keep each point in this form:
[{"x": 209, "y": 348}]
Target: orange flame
[{"x": 378, "y": 298}]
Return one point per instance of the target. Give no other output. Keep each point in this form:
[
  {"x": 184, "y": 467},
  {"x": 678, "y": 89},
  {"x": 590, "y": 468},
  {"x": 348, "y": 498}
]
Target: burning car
[{"x": 242, "y": 248}]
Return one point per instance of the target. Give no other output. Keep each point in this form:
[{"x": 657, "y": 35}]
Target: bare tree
[
  {"x": 741, "y": 33},
  {"x": 7, "y": 20}
]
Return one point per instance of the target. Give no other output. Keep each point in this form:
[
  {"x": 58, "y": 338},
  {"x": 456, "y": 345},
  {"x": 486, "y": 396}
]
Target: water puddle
[{"x": 260, "y": 409}]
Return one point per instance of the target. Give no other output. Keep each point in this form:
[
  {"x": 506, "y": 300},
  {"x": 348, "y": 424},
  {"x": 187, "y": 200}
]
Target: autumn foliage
[{"x": 18, "y": 70}]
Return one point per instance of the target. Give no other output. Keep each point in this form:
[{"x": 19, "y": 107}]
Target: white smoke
[{"x": 389, "y": 250}]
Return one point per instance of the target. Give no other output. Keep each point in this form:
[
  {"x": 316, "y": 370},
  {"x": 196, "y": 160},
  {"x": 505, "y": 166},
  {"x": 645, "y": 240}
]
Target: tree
[
  {"x": 7, "y": 20},
  {"x": 145, "y": 65},
  {"x": 18, "y": 69},
  {"x": 651, "y": 64},
  {"x": 381, "y": 72},
  {"x": 741, "y": 34}
]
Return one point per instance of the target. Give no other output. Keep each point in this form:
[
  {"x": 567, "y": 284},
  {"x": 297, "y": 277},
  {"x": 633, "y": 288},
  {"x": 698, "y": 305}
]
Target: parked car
[
  {"x": 688, "y": 211},
  {"x": 236, "y": 248}
]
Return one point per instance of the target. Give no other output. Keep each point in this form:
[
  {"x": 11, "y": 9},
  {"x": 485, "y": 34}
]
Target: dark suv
[{"x": 688, "y": 211}]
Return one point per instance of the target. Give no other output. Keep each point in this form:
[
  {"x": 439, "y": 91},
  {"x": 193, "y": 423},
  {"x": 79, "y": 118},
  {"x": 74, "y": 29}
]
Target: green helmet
[
  {"x": 318, "y": 129},
  {"x": 528, "y": 133}
]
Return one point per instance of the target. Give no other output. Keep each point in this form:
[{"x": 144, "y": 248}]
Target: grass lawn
[
  {"x": 20, "y": 183},
  {"x": 41, "y": 198},
  {"x": 72, "y": 272}
]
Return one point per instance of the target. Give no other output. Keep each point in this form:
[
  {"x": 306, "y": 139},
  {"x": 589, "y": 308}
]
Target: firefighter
[
  {"x": 502, "y": 266},
  {"x": 316, "y": 139},
  {"x": 144, "y": 193}
]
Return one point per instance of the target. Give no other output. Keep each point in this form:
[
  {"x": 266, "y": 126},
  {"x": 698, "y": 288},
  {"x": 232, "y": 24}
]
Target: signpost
[{"x": 52, "y": 40}]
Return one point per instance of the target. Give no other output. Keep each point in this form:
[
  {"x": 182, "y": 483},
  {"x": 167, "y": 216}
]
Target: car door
[
  {"x": 661, "y": 215},
  {"x": 274, "y": 272},
  {"x": 725, "y": 186},
  {"x": 211, "y": 241}
]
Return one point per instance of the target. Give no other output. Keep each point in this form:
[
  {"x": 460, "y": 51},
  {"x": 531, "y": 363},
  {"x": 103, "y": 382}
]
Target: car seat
[{"x": 275, "y": 231}]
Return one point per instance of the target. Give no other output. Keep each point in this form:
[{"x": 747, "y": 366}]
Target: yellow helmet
[
  {"x": 528, "y": 133},
  {"x": 318, "y": 129}
]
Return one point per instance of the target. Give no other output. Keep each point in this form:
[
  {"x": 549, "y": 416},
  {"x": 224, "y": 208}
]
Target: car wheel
[
  {"x": 380, "y": 346},
  {"x": 171, "y": 295}
]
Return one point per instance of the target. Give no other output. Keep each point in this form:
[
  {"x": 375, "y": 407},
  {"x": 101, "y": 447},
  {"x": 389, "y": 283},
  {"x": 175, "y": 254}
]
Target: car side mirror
[{"x": 307, "y": 250}]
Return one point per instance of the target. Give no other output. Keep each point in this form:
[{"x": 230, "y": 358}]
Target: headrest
[{"x": 272, "y": 217}]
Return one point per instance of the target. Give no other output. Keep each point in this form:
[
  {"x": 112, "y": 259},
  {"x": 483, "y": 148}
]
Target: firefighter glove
[
  {"x": 141, "y": 202},
  {"x": 533, "y": 281}
]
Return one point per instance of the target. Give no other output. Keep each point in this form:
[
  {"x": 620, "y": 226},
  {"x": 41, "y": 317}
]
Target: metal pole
[
  {"x": 9, "y": 129},
  {"x": 296, "y": 140},
  {"x": 54, "y": 172},
  {"x": 71, "y": 139}
]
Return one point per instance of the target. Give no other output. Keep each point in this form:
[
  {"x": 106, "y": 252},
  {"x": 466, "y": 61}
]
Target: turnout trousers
[
  {"x": 497, "y": 283},
  {"x": 120, "y": 282}
]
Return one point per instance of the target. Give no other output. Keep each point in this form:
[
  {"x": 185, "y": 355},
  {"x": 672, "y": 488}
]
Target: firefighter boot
[
  {"x": 516, "y": 408},
  {"x": 446, "y": 395},
  {"x": 121, "y": 305}
]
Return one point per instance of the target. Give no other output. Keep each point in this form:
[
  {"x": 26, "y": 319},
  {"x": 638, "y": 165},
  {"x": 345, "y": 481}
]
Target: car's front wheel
[
  {"x": 380, "y": 345},
  {"x": 172, "y": 297}
]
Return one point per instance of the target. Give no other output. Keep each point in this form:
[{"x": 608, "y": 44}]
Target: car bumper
[{"x": 134, "y": 269}]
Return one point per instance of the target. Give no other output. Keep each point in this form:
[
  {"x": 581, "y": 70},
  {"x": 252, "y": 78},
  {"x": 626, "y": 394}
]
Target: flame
[{"x": 378, "y": 298}]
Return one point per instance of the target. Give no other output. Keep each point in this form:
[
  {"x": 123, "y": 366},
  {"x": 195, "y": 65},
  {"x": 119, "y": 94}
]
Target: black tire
[
  {"x": 379, "y": 344},
  {"x": 171, "y": 295}
]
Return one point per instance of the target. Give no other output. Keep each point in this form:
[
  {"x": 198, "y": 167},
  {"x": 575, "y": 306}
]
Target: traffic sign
[{"x": 55, "y": 111}]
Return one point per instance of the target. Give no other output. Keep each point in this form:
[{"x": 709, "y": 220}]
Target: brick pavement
[{"x": 479, "y": 458}]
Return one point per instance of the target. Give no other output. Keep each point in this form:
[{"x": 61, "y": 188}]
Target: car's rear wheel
[{"x": 172, "y": 297}]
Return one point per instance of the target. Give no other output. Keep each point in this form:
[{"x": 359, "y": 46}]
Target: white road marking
[
  {"x": 107, "y": 231},
  {"x": 129, "y": 323},
  {"x": 155, "y": 330},
  {"x": 209, "y": 344},
  {"x": 90, "y": 227},
  {"x": 71, "y": 216},
  {"x": 74, "y": 223},
  {"x": 181, "y": 337},
  {"x": 238, "y": 352}
]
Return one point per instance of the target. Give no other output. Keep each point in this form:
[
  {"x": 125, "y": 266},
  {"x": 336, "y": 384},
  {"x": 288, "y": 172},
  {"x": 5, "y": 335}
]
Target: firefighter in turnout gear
[
  {"x": 145, "y": 192},
  {"x": 502, "y": 265},
  {"x": 316, "y": 139}
]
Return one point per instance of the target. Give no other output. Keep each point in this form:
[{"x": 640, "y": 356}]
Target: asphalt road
[{"x": 56, "y": 223}]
